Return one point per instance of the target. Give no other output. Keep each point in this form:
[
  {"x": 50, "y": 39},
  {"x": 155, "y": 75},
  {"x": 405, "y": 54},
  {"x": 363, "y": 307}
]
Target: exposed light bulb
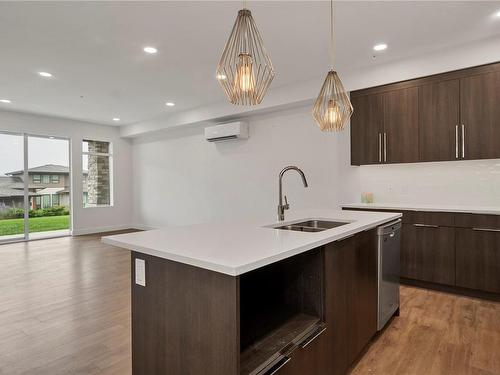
[
  {"x": 245, "y": 80},
  {"x": 333, "y": 113}
]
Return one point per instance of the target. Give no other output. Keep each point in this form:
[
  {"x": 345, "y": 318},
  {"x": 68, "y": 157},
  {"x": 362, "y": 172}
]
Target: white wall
[
  {"x": 85, "y": 220},
  {"x": 475, "y": 183},
  {"x": 180, "y": 178}
]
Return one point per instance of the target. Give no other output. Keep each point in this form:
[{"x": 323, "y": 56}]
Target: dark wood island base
[{"x": 313, "y": 313}]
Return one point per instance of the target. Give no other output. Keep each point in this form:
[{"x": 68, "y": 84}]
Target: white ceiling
[{"x": 94, "y": 49}]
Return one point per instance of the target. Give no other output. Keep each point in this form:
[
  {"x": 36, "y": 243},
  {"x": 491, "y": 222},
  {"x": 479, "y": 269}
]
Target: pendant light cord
[{"x": 332, "y": 41}]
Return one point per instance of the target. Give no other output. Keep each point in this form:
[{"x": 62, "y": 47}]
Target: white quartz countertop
[
  {"x": 238, "y": 247},
  {"x": 426, "y": 207}
]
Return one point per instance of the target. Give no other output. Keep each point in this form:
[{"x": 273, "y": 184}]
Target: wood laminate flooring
[{"x": 65, "y": 309}]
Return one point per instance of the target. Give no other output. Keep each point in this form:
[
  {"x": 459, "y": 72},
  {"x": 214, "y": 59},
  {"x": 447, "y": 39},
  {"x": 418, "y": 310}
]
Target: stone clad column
[{"x": 98, "y": 174}]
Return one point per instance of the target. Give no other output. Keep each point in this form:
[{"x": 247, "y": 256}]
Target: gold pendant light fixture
[
  {"x": 332, "y": 109},
  {"x": 245, "y": 70}
]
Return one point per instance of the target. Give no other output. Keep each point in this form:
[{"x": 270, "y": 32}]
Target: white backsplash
[{"x": 475, "y": 183}]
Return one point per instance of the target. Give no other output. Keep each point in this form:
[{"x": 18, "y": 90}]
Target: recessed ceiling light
[
  {"x": 169, "y": 104},
  {"x": 5, "y": 101},
  {"x": 221, "y": 76},
  {"x": 116, "y": 119},
  {"x": 150, "y": 50},
  {"x": 45, "y": 74},
  {"x": 380, "y": 47}
]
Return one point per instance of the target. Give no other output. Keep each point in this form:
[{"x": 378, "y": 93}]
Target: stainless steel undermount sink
[{"x": 311, "y": 225}]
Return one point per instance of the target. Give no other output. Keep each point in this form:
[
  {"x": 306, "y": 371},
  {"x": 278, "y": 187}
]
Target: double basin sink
[{"x": 311, "y": 225}]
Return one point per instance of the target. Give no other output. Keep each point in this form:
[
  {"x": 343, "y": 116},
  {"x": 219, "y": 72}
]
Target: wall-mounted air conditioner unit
[{"x": 224, "y": 132}]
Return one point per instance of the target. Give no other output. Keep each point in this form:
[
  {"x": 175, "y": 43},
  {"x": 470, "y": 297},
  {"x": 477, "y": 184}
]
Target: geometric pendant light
[
  {"x": 245, "y": 70},
  {"x": 332, "y": 109}
]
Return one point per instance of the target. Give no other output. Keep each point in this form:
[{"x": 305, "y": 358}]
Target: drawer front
[
  {"x": 477, "y": 221},
  {"x": 442, "y": 219}
]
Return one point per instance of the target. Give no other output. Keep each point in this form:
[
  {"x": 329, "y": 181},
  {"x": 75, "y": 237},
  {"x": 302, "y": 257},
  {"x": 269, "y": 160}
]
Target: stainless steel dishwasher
[{"x": 389, "y": 244}]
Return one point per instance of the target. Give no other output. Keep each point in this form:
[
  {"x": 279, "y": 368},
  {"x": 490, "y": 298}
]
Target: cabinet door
[
  {"x": 351, "y": 299},
  {"x": 366, "y": 129},
  {"x": 433, "y": 257},
  {"x": 478, "y": 259},
  {"x": 310, "y": 359},
  {"x": 439, "y": 121},
  {"x": 362, "y": 298},
  {"x": 408, "y": 252},
  {"x": 338, "y": 262},
  {"x": 401, "y": 126},
  {"x": 480, "y": 115}
]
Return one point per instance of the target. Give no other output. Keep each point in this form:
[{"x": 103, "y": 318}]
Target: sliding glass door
[
  {"x": 49, "y": 186},
  {"x": 12, "y": 194},
  {"x": 35, "y": 187}
]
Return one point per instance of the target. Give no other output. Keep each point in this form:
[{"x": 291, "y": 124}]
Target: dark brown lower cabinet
[
  {"x": 308, "y": 359},
  {"x": 478, "y": 259},
  {"x": 351, "y": 298},
  {"x": 428, "y": 253}
]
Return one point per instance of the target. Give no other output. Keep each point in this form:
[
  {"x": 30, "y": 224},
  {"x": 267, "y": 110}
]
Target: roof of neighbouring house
[
  {"x": 47, "y": 168},
  {"x": 10, "y": 180},
  {"x": 8, "y": 192}
]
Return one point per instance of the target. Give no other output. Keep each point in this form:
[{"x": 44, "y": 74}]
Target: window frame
[
  {"x": 109, "y": 155},
  {"x": 53, "y": 180},
  {"x": 37, "y": 180}
]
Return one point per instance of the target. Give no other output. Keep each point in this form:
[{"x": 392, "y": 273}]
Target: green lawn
[{"x": 37, "y": 224}]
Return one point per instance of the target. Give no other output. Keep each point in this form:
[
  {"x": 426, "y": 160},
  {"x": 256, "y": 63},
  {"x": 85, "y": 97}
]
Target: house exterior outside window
[{"x": 97, "y": 165}]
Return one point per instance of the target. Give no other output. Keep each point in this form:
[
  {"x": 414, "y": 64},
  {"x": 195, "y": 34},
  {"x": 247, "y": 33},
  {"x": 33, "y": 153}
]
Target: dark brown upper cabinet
[
  {"x": 439, "y": 121},
  {"x": 480, "y": 116},
  {"x": 384, "y": 127},
  {"x": 400, "y": 138},
  {"x": 367, "y": 126},
  {"x": 449, "y": 116}
]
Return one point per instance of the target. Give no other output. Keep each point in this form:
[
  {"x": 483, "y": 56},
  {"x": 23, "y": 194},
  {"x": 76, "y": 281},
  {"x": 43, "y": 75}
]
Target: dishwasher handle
[{"x": 389, "y": 228}]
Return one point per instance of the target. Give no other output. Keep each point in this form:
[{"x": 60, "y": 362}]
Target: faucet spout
[{"x": 282, "y": 207}]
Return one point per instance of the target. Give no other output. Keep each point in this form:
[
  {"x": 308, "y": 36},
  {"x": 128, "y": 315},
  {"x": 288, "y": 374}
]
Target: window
[
  {"x": 97, "y": 173},
  {"x": 54, "y": 178},
  {"x": 37, "y": 178},
  {"x": 55, "y": 200},
  {"x": 45, "y": 201},
  {"x": 45, "y": 179},
  {"x": 38, "y": 202}
]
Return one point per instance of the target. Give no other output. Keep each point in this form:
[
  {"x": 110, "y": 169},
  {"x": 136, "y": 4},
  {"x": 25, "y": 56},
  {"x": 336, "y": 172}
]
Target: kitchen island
[{"x": 247, "y": 298}]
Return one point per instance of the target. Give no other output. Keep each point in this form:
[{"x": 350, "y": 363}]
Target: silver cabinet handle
[
  {"x": 282, "y": 362},
  {"x": 380, "y": 147},
  {"x": 385, "y": 147},
  {"x": 463, "y": 141},
  {"x": 456, "y": 141},
  {"x": 312, "y": 337},
  {"x": 425, "y": 226},
  {"x": 486, "y": 230}
]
